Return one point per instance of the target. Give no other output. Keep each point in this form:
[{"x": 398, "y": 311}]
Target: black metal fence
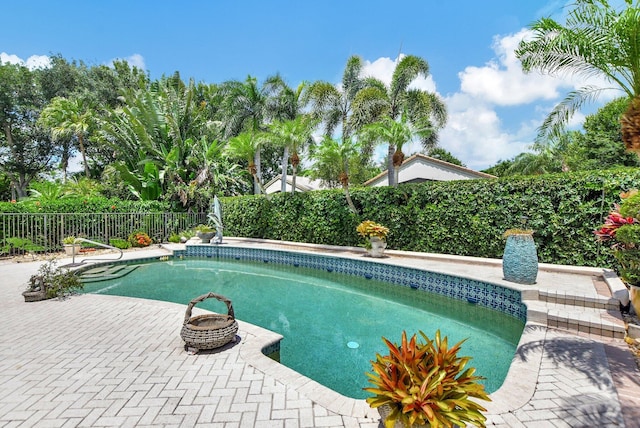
[{"x": 40, "y": 232}]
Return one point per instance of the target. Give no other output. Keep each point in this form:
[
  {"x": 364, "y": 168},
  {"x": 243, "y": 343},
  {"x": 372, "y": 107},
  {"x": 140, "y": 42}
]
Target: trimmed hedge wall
[
  {"x": 83, "y": 205},
  {"x": 455, "y": 217}
]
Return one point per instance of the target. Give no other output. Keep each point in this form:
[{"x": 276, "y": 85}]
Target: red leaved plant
[{"x": 426, "y": 384}]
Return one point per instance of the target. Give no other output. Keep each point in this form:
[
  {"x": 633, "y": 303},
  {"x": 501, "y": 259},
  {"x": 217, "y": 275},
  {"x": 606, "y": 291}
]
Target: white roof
[
  {"x": 419, "y": 167},
  {"x": 303, "y": 184}
]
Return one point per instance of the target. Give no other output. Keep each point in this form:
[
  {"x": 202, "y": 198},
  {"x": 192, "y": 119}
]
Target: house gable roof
[
  {"x": 303, "y": 184},
  {"x": 447, "y": 171}
]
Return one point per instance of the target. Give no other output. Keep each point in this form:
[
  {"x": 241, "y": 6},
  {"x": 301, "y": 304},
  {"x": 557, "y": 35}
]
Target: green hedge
[
  {"x": 83, "y": 205},
  {"x": 456, "y": 217}
]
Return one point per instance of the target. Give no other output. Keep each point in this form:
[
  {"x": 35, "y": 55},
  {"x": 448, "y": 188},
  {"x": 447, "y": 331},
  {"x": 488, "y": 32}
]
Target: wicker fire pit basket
[{"x": 208, "y": 331}]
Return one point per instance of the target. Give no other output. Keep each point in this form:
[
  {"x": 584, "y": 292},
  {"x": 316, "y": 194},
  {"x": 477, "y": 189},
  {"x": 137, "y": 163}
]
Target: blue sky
[{"x": 494, "y": 109}]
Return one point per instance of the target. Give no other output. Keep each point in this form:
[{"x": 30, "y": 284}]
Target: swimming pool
[{"x": 332, "y": 322}]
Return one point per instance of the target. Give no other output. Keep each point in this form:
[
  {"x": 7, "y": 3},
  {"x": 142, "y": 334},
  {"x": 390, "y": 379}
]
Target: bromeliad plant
[
  {"x": 369, "y": 229},
  {"x": 622, "y": 230},
  {"x": 426, "y": 384}
]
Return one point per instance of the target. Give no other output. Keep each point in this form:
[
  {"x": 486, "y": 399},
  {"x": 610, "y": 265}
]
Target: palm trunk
[
  {"x": 257, "y": 178},
  {"x": 397, "y": 160},
  {"x": 64, "y": 164},
  {"x": 293, "y": 180},
  {"x": 391, "y": 177},
  {"x": 285, "y": 162},
  {"x": 295, "y": 161},
  {"x": 630, "y": 126},
  {"x": 261, "y": 189},
  {"x": 349, "y": 201},
  {"x": 256, "y": 181},
  {"x": 344, "y": 179},
  {"x": 84, "y": 155}
]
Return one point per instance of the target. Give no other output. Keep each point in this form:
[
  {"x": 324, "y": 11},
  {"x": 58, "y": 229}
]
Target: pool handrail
[{"x": 80, "y": 240}]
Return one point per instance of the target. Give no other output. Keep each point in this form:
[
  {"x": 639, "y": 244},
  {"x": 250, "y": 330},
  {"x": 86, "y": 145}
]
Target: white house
[
  {"x": 419, "y": 168},
  {"x": 303, "y": 184}
]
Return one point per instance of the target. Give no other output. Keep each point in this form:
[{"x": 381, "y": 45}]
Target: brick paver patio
[{"x": 107, "y": 361}]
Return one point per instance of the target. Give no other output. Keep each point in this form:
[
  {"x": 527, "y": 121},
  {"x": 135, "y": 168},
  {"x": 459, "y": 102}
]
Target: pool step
[
  {"x": 597, "y": 302},
  {"x": 106, "y": 272},
  {"x": 599, "y": 321}
]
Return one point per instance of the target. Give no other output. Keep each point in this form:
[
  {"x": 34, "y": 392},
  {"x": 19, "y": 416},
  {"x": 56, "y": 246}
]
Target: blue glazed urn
[{"x": 520, "y": 259}]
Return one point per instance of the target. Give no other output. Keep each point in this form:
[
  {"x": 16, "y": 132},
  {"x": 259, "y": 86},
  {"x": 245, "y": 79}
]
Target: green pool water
[{"x": 332, "y": 323}]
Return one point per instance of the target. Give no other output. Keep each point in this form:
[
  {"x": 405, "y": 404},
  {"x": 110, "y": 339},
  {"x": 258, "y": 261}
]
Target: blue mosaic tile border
[{"x": 492, "y": 296}]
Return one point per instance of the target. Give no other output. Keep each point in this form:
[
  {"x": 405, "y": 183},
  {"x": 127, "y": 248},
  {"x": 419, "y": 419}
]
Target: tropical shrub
[
  {"x": 14, "y": 245},
  {"x": 120, "y": 243},
  {"x": 58, "y": 282},
  {"x": 139, "y": 239},
  {"x": 621, "y": 231},
  {"x": 426, "y": 384}
]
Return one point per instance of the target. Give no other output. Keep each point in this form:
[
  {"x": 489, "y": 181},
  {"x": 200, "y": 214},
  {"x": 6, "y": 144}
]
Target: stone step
[
  {"x": 572, "y": 299},
  {"x": 575, "y": 318},
  {"x": 104, "y": 273}
]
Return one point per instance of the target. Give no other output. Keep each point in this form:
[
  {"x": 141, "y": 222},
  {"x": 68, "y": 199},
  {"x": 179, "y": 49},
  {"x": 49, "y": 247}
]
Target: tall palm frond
[{"x": 597, "y": 40}]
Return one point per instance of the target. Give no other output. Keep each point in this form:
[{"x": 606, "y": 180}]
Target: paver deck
[{"x": 96, "y": 360}]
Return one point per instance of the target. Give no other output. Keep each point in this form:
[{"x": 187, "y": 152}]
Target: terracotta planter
[
  {"x": 72, "y": 249},
  {"x": 520, "y": 259}
]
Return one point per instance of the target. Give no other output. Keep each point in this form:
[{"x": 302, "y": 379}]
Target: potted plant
[
  {"x": 51, "y": 282},
  {"x": 205, "y": 233},
  {"x": 375, "y": 235},
  {"x": 425, "y": 384},
  {"x": 520, "y": 258},
  {"x": 622, "y": 230},
  {"x": 71, "y": 248}
]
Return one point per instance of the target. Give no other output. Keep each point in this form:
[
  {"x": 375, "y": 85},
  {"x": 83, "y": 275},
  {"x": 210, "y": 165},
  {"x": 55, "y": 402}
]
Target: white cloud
[
  {"x": 502, "y": 81},
  {"x": 382, "y": 69},
  {"x": 11, "y": 59},
  {"x": 475, "y": 133},
  {"x": 38, "y": 61},
  {"x": 33, "y": 62},
  {"x": 136, "y": 60}
]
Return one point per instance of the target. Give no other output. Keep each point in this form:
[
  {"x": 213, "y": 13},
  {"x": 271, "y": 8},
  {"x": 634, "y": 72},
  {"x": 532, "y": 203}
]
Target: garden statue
[{"x": 216, "y": 217}]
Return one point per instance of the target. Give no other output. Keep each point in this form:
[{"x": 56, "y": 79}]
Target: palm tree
[
  {"x": 245, "y": 109},
  {"x": 245, "y": 146},
  {"x": 396, "y": 134},
  {"x": 284, "y": 104},
  {"x": 334, "y": 105},
  {"x": 597, "y": 40},
  {"x": 215, "y": 170},
  {"x": 69, "y": 117},
  {"x": 293, "y": 135},
  {"x": 423, "y": 109},
  {"x": 332, "y": 157}
]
